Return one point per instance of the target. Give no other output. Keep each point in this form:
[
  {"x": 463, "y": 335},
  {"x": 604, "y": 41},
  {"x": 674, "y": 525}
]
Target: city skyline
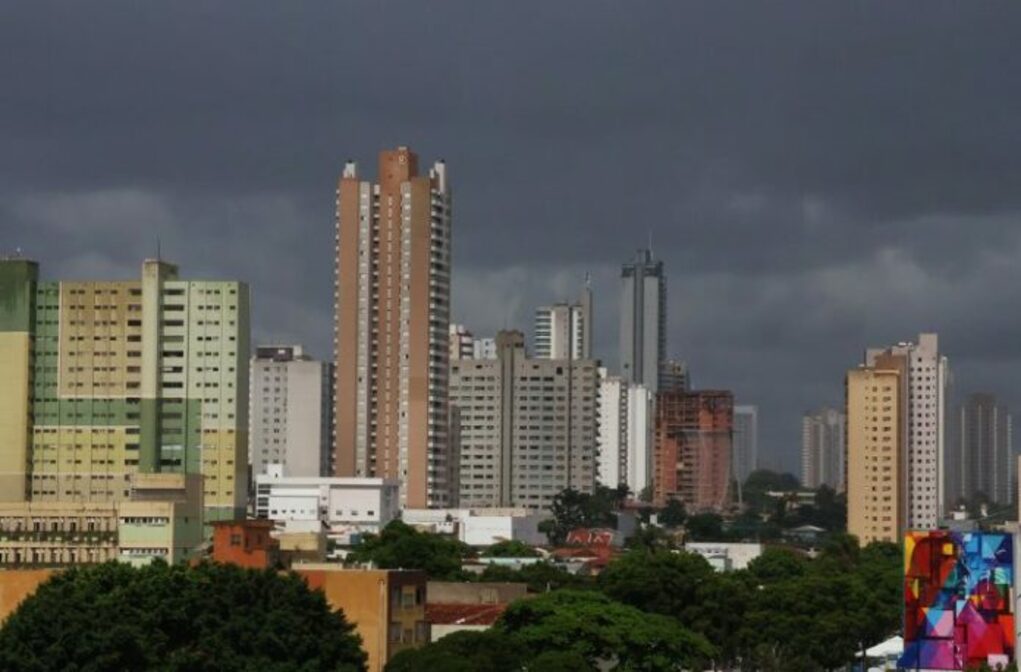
[{"x": 772, "y": 247}]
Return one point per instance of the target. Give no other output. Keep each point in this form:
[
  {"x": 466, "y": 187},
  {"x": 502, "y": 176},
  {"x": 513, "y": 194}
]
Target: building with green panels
[{"x": 105, "y": 379}]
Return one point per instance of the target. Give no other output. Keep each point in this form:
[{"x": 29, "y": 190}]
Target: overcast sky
[{"x": 816, "y": 176}]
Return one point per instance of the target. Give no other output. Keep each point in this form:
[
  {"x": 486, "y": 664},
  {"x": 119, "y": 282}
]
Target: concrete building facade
[
  {"x": 391, "y": 331},
  {"x": 643, "y": 320},
  {"x": 105, "y": 379},
  {"x": 387, "y": 607},
  {"x": 340, "y": 505},
  {"x": 746, "y": 441},
  {"x": 612, "y": 437},
  {"x": 626, "y": 416},
  {"x": 923, "y": 398},
  {"x": 823, "y": 449},
  {"x": 291, "y": 407},
  {"x": 980, "y": 452},
  {"x": 693, "y": 448},
  {"x": 564, "y": 330},
  {"x": 527, "y": 426},
  {"x": 162, "y": 520},
  {"x": 876, "y": 488}
]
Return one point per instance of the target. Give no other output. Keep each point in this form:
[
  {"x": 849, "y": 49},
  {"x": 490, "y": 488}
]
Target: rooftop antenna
[
  {"x": 650, "y": 243},
  {"x": 159, "y": 255}
]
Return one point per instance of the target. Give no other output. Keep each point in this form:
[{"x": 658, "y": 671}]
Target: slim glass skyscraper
[{"x": 643, "y": 321}]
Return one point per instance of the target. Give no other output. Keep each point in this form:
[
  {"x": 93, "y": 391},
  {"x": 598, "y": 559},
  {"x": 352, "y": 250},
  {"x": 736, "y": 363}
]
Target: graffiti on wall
[{"x": 958, "y": 600}]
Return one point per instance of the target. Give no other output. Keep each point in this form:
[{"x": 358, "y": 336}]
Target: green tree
[
  {"x": 776, "y": 564},
  {"x": 399, "y": 546},
  {"x": 602, "y": 631},
  {"x": 673, "y": 514},
  {"x": 510, "y": 549},
  {"x": 572, "y": 509},
  {"x": 762, "y": 481},
  {"x": 661, "y": 582},
  {"x": 491, "y": 651},
  {"x": 541, "y": 577},
  {"x": 705, "y": 527},
  {"x": 177, "y": 618}
]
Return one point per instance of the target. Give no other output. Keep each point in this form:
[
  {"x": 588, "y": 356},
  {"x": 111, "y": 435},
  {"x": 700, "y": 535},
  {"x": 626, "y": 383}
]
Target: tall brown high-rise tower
[{"x": 392, "y": 314}]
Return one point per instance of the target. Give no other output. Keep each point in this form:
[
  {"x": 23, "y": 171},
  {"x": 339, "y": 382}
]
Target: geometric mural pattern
[{"x": 958, "y": 600}]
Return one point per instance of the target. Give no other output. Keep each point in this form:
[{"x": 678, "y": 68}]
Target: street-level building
[
  {"x": 342, "y": 506},
  {"x": 386, "y": 606}
]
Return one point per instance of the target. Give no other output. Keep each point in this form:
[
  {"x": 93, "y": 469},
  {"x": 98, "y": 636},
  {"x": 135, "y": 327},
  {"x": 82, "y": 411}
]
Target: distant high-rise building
[
  {"x": 980, "y": 454},
  {"x": 643, "y": 321},
  {"x": 484, "y": 348},
  {"x": 876, "y": 487},
  {"x": 564, "y": 330},
  {"x": 626, "y": 414},
  {"x": 674, "y": 376},
  {"x": 746, "y": 441},
  {"x": 612, "y": 437},
  {"x": 462, "y": 343},
  {"x": 391, "y": 334},
  {"x": 290, "y": 411},
  {"x": 528, "y": 426},
  {"x": 693, "y": 446},
  {"x": 823, "y": 449},
  {"x": 105, "y": 379},
  {"x": 923, "y": 398}
]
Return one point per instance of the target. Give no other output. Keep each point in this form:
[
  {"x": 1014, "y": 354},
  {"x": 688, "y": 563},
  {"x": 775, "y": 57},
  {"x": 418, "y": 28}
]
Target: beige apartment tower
[
  {"x": 876, "y": 492},
  {"x": 392, "y": 315}
]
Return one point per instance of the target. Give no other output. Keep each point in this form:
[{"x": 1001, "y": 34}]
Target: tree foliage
[
  {"x": 673, "y": 514},
  {"x": 572, "y": 509},
  {"x": 510, "y": 549},
  {"x": 399, "y": 546},
  {"x": 603, "y": 631},
  {"x": 175, "y": 618},
  {"x": 785, "y": 612},
  {"x": 541, "y": 577},
  {"x": 491, "y": 650}
]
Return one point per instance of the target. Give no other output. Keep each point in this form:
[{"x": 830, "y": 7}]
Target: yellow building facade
[{"x": 875, "y": 459}]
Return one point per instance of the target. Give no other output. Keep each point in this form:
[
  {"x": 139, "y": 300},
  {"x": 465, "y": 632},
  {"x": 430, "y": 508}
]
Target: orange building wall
[
  {"x": 245, "y": 543},
  {"x": 367, "y": 600},
  {"x": 18, "y": 584}
]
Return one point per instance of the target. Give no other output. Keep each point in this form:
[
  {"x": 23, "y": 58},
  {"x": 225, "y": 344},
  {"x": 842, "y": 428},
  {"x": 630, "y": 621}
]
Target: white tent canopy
[{"x": 891, "y": 647}]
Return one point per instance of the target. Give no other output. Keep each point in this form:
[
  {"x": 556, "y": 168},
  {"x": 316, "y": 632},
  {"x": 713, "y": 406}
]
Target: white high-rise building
[
  {"x": 484, "y": 348},
  {"x": 290, "y": 409},
  {"x": 746, "y": 442},
  {"x": 462, "y": 343},
  {"x": 564, "y": 330},
  {"x": 641, "y": 418},
  {"x": 923, "y": 392},
  {"x": 823, "y": 449},
  {"x": 612, "y": 435},
  {"x": 625, "y": 433}
]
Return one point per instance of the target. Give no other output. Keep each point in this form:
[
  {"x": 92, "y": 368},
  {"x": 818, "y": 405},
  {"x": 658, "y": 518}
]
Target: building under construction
[{"x": 692, "y": 453}]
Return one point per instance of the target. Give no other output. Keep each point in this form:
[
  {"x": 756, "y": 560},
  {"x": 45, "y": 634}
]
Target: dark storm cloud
[{"x": 818, "y": 176}]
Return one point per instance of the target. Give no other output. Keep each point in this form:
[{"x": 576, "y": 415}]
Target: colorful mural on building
[{"x": 958, "y": 600}]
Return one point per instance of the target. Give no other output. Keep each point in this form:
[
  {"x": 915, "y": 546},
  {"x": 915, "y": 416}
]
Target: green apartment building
[{"x": 104, "y": 379}]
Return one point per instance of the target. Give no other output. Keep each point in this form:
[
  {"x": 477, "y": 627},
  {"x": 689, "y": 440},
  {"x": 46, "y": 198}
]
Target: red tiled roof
[{"x": 463, "y": 614}]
